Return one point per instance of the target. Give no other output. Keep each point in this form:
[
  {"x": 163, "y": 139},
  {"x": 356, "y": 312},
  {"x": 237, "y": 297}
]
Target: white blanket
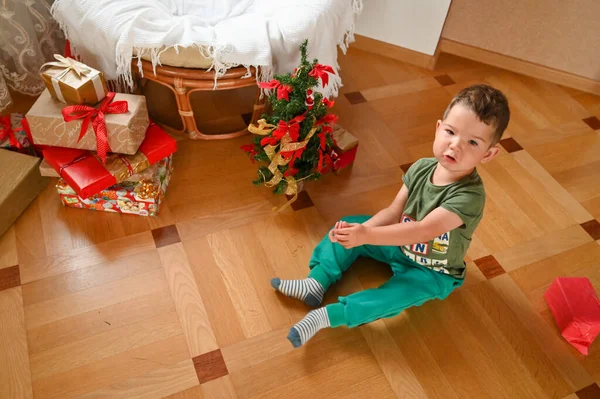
[{"x": 259, "y": 33}]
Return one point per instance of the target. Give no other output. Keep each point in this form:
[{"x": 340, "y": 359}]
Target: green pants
[{"x": 411, "y": 284}]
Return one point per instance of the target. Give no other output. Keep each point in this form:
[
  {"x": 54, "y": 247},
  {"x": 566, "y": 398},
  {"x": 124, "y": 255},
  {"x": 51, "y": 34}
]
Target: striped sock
[
  {"x": 306, "y": 328},
  {"x": 309, "y": 290}
]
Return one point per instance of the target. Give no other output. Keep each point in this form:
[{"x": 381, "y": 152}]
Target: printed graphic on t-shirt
[
  {"x": 421, "y": 248},
  {"x": 417, "y": 252},
  {"x": 441, "y": 243}
]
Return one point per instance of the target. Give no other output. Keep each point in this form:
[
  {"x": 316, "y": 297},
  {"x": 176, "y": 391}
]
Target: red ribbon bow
[
  {"x": 320, "y": 71},
  {"x": 283, "y": 91},
  {"x": 325, "y": 131},
  {"x": 6, "y": 131},
  {"x": 292, "y": 127},
  {"x": 96, "y": 115},
  {"x": 330, "y": 119}
]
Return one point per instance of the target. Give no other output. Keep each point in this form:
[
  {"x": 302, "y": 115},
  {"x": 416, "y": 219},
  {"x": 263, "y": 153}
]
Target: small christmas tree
[{"x": 296, "y": 140}]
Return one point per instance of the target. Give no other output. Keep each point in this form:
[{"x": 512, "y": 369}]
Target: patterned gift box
[
  {"x": 124, "y": 131},
  {"x": 141, "y": 194},
  {"x": 72, "y": 82}
]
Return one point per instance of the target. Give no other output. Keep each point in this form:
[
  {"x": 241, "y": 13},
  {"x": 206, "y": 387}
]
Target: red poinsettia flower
[{"x": 321, "y": 71}]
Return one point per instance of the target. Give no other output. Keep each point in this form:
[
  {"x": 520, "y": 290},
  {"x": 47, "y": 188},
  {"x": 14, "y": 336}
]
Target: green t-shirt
[{"x": 466, "y": 198}]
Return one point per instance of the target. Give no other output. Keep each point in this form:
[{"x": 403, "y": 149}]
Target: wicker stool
[{"x": 184, "y": 81}]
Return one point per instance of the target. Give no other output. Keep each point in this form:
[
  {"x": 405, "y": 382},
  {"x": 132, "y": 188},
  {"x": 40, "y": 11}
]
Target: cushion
[{"x": 183, "y": 57}]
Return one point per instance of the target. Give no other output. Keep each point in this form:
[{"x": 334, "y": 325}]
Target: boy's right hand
[{"x": 338, "y": 225}]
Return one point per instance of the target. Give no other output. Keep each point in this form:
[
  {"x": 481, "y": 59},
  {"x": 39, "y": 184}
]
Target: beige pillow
[{"x": 188, "y": 57}]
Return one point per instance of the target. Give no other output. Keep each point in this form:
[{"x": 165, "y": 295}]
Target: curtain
[{"x": 29, "y": 37}]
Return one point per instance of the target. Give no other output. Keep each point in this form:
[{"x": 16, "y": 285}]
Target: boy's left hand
[{"x": 352, "y": 235}]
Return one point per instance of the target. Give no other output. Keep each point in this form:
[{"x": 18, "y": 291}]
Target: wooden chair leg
[{"x": 184, "y": 107}]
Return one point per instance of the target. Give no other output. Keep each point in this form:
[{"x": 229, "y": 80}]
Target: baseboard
[
  {"x": 396, "y": 52},
  {"x": 519, "y": 66}
]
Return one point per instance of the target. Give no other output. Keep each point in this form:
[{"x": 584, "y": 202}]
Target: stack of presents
[{"x": 101, "y": 145}]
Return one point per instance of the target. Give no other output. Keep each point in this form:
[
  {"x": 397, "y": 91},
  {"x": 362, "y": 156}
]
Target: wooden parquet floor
[{"x": 99, "y": 305}]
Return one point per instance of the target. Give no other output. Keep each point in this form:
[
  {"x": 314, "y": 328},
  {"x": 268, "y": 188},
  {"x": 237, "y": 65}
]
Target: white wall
[{"x": 412, "y": 24}]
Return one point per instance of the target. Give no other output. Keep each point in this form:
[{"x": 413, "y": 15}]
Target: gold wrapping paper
[
  {"x": 125, "y": 131},
  {"x": 122, "y": 167},
  {"x": 76, "y": 82}
]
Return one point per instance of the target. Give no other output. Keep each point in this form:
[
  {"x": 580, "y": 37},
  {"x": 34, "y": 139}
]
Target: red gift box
[
  {"x": 85, "y": 173},
  {"x": 576, "y": 309}
]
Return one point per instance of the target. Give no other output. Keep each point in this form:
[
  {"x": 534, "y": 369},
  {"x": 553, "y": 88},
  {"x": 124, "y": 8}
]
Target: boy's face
[{"x": 462, "y": 141}]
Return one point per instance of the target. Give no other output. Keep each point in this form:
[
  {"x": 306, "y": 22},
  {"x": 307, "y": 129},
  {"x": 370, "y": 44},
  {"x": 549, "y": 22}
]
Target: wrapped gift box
[
  {"x": 140, "y": 194},
  {"x": 72, "y": 82},
  {"x": 345, "y": 148},
  {"x": 87, "y": 175},
  {"x": 576, "y": 309},
  {"x": 47, "y": 170},
  {"x": 14, "y": 134},
  {"x": 125, "y": 131},
  {"x": 20, "y": 183}
]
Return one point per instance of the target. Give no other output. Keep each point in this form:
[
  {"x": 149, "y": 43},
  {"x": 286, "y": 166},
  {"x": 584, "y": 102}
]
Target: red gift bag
[{"x": 576, "y": 309}]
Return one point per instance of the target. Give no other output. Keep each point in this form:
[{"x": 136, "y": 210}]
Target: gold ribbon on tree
[{"x": 286, "y": 145}]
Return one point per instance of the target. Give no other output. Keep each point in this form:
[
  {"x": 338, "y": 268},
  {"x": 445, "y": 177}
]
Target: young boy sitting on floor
[{"x": 423, "y": 235}]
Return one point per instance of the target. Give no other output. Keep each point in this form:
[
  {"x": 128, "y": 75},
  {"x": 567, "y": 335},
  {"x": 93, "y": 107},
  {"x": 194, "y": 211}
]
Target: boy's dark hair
[{"x": 489, "y": 104}]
